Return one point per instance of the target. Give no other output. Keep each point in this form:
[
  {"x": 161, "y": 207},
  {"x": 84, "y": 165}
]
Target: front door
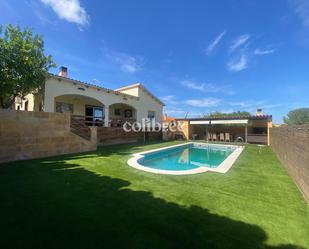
[{"x": 94, "y": 115}]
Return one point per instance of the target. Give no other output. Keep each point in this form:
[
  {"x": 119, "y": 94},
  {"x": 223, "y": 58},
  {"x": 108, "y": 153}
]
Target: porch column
[
  {"x": 49, "y": 104},
  {"x": 106, "y": 115}
]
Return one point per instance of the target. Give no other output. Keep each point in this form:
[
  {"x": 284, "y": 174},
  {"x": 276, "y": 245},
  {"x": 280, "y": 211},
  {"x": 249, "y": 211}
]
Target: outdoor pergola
[
  {"x": 248, "y": 129},
  {"x": 223, "y": 124}
]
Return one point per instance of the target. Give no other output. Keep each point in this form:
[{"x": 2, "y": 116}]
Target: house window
[
  {"x": 128, "y": 113},
  {"x": 64, "y": 107},
  {"x": 151, "y": 115},
  {"x": 94, "y": 115}
]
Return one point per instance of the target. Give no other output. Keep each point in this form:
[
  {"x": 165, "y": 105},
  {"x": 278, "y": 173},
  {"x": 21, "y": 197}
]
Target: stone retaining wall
[
  {"x": 26, "y": 135},
  {"x": 291, "y": 144}
]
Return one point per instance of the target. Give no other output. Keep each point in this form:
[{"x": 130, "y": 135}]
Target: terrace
[{"x": 95, "y": 200}]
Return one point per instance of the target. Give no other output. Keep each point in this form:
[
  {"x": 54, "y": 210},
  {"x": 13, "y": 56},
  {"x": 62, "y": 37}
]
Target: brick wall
[
  {"x": 291, "y": 144},
  {"x": 26, "y": 135},
  {"x": 115, "y": 135}
]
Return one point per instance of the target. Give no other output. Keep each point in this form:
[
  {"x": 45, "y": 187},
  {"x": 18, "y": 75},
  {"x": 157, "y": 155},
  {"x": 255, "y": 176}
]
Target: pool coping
[{"x": 222, "y": 168}]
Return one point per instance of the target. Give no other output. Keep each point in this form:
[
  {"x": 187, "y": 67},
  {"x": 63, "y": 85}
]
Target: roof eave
[
  {"x": 93, "y": 86},
  {"x": 139, "y": 85},
  {"x": 264, "y": 117}
]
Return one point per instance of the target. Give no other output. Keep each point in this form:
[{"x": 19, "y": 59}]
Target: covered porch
[
  {"x": 92, "y": 112},
  {"x": 219, "y": 131},
  {"x": 119, "y": 113},
  {"x": 248, "y": 130},
  {"x": 85, "y": 109}
]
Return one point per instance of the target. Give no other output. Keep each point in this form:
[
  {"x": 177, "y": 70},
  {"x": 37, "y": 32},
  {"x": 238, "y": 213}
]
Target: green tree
[
  {"x": 231, "y": 114},
  {"x": 23, "y": 64},
  {"x": 297, "y": 117}
]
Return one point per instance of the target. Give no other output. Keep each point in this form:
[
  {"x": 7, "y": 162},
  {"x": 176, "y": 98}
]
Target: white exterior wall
[
  {"x": 34, "y": 101},
  {"x": 131, "y": 91},
  {"x": 150, "y": 104},
  {"x": 55, "y": 87}
]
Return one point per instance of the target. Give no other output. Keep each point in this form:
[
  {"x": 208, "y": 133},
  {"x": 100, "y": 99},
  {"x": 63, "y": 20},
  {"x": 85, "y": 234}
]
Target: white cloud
[
  {"x": 207, "y": 102},
  {"x": 243, "y": 104},
  {"x": 263, "y": 52},
  {"x": 130, "y": 66},
  {"x": 239, "y": 41},
  {"x": 238, "y": 64},
  {"x": 126, "y": 62},
  {"x": 181, "y": 113},
  {"x": 206, "y": 87},
  {"x": 169, "y": 99},
  {"x": 196, "y": 86},
  {"x": 302, "y": 10},
  {"x": 214, "y": 43},
  {"x": 175, "y": 112},
  {"x": 172, "y": 111},
  {"x": 69, "y": 10}
]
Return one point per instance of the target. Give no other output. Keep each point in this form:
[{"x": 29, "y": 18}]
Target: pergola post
[{"x": 246, "y": 133}]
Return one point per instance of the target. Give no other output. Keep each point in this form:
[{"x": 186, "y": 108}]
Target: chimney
[
  {"x": 259, "y": 112},
  {"x": 63, "y": 72}
]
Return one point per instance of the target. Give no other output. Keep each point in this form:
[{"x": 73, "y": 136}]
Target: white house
[{"x": 96, "y": 105}]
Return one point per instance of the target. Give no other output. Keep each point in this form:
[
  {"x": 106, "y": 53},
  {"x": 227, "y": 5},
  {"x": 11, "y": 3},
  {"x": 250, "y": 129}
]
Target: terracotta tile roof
[
  {"x": 74, "y": 81},
  {"x": 116, "y": 91},
  {"x": 168, "y": 119}
]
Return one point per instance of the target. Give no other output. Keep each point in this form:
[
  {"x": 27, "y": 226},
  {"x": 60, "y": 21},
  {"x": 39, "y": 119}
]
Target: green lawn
[{"x": 94, "y": 200}]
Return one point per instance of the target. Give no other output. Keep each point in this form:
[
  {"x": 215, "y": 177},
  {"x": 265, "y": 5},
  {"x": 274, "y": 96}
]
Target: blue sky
[{"x": 198, "y": 56}]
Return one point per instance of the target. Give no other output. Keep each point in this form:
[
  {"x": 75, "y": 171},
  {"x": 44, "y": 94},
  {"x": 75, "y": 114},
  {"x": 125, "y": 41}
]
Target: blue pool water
[{"x": 186, "y": 157}]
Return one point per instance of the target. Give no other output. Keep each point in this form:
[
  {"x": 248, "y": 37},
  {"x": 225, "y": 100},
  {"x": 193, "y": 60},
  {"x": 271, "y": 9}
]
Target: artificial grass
[{"x": 94, "y": 200}]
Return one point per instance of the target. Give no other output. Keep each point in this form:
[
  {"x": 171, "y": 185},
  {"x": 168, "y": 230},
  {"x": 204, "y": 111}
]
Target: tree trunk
[{"x": 7, "y": 104}]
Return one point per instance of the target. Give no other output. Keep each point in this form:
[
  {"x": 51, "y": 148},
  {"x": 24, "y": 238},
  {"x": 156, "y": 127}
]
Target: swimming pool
[{"x": 188, "y": 158}]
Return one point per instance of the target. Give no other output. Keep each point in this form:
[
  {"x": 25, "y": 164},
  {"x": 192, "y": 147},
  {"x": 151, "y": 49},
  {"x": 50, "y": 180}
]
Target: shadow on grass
[
  {"x": 53, "y": 204},
  {"x": 107, "y": 150},
  {"x": 128, "y": 149}
]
